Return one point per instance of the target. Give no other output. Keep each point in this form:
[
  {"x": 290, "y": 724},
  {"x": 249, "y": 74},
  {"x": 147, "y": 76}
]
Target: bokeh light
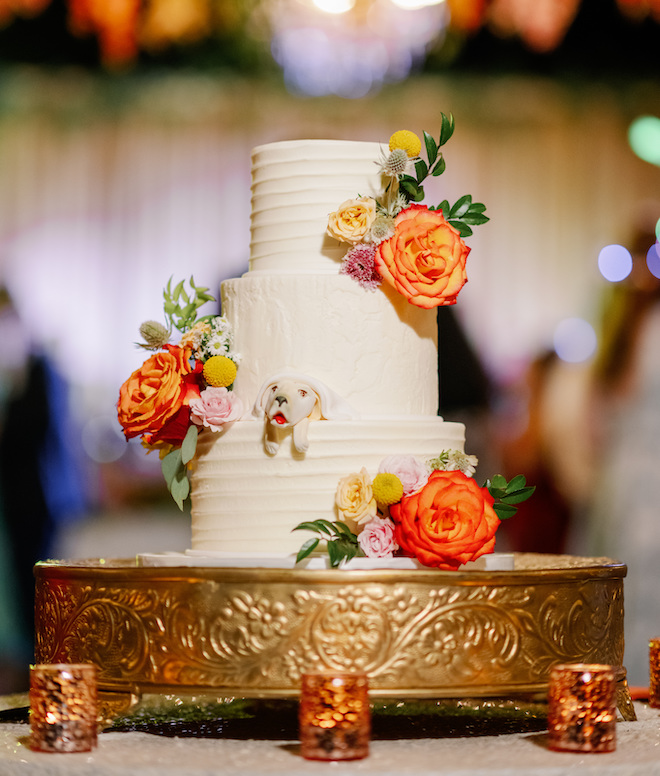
[
  {"x": 644, "y": 138},
  {"x": 575, "y": 340},
  {"x": 334, "y": 6},
  {"x": 653, "y": 259},
  {"x": 615, "y": 262},
  {"x": 331, "y": 47},
  {"x": 657, "y": 229}
]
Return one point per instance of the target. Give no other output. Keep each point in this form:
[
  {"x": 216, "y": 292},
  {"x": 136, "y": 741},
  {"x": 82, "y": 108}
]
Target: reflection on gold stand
[{"x": 252, "y": 633}]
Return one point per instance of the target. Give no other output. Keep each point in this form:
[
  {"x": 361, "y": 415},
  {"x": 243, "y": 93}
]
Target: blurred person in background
[
  {"x": 40, "y": 477},
  {"x": 624, "y": 521}
]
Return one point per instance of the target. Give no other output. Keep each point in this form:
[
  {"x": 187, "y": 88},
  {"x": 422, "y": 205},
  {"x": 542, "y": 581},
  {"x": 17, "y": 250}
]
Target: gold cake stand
[{"x": 251, "y": 633}]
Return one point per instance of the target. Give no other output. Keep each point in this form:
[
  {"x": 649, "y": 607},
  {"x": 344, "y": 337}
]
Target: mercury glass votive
[
  {"x": 63, "y": 707},
  {"x": 334, "y": 716},
  {"x": 654, "y": 672},
  {"x": 582, "y": 708}
]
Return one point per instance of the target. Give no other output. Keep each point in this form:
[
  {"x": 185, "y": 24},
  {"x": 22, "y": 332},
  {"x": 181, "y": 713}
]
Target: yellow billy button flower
[
  {"x": 406, "y": 140},
  {"x": 219, "y": 371},
  {"x": 387, "y": 489}
]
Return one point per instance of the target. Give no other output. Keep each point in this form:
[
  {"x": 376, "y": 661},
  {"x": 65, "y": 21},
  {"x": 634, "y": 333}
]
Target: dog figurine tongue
[{"x": 291, "y": 400}]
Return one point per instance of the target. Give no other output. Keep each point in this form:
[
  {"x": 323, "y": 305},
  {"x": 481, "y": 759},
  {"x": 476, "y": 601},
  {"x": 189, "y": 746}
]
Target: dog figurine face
[{"x": 289, "y": 403}]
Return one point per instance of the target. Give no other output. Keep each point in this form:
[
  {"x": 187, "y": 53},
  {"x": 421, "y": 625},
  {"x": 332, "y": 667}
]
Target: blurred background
[{"x": 125, "y": 137}]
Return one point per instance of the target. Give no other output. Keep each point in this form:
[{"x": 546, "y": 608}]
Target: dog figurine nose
[{"x": 281, "y": 400}]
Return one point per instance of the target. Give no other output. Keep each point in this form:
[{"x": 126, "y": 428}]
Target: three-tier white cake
[{"x": 373, "y": 353}]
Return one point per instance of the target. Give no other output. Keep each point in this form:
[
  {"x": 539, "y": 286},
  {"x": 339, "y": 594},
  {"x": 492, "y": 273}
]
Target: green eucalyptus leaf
[
  {"x": 350, "y": 551},
  {"x": 431, "y": 148},
  {"x": 314, "y": 526},
  {"x": 408, "y": 184},
  {"x": 330, "y": 527},
  {"x": 446, "y": 128},
  {"x": 499, "y": 481},
  {"x": 444, "y": 206},
  {"x": 519, "y": 481},
  {"x": 170, "y": 465},
  {"x": 178, "y": 289},
  {"x": 504, "y": 511},
  {"x": 463, "y": 229},
  {"x": 189, "y": 444},
  {"x": 421, "y": 169},
  {"x": 440, "y": 167},
  {"x": 342, "y": 528},
  {"x": 180, "y": 488},
  {"x": 475, "y": 219},
  {"x": 419, "y": 196},
  {"x": 461, "y": 206},
  {"x": 477, "y": 207},
  {"x": 518, "y": 496},
  {"x": 307, "y": 549},
  {"x": 335, "y": 554}
]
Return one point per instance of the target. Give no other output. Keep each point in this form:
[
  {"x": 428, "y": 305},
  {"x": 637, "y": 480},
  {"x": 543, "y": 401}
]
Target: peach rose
[
  {"x": 154, "y": 401},
  {"x": 355, "y": 499},
  {"x": 352, "y": 219},
  {"x": 450, "y": 521},
  {"x": 425, "y": 258}
]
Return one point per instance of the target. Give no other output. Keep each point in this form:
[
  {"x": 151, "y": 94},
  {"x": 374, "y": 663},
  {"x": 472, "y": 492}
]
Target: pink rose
[
  {"x": 377, "y": 539},
  {"x": 412, "y": 472},
  {"x": 215, "y": 407}
]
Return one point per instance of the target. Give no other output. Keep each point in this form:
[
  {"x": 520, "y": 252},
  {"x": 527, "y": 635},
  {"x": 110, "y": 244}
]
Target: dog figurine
[{"x": 291, "y": 401}]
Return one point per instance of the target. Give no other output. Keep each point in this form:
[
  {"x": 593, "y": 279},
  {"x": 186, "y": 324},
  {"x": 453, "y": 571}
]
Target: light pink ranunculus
[
  {"x": 412, "y": 472},
  {"x": 377, "y": 539},
  {"x": 215, "y": 407}
]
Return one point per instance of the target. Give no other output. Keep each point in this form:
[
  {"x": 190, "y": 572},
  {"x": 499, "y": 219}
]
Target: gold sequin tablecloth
[{"x": 518, "y": 754}]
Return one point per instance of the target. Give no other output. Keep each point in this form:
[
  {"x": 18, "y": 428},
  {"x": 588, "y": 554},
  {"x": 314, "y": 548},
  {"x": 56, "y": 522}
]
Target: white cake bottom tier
[{"x": 244, "y": 500}]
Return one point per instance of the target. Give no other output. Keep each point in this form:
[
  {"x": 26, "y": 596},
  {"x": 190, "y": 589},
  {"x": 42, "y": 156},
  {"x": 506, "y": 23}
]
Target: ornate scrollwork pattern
[{"x": 256, "y": 635}]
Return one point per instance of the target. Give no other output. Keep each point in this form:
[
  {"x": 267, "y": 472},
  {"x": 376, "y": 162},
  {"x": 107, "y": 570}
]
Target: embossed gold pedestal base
[{"x": 252, "y": 632}]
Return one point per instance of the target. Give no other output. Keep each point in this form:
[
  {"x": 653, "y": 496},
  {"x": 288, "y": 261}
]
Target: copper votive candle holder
[
  {"x": 63, "y": 707},
  {"x": 582, "y": 708},
  {"x": 334, "y": 716},
  {"x": 654, "y": 672}
]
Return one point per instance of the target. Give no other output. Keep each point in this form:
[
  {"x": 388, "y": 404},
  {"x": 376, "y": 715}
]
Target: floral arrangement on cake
[
  {"x": 418, "y": 250},
  {"x": 432, "y": 511},
  {"x": 182, "y": 388}
]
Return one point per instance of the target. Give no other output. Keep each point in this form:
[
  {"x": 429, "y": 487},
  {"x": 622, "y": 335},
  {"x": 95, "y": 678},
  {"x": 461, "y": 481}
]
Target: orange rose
[
  {"x": 154, "y": 400},
  {"x": 425, "y": 258},
  {"x": 450, "y": 521}
]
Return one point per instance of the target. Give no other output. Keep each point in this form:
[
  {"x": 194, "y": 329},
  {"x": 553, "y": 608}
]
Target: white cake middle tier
[
  {"x": 245, "y": 501},
  {"x": 373, "y": 348}
]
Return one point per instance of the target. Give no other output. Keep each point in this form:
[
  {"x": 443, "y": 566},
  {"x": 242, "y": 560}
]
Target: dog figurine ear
[{"x": 300, "y": 430}]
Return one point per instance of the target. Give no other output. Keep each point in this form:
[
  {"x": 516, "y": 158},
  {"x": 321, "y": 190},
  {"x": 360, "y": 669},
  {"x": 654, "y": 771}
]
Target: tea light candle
[
  {"x": 654, "y": 672},
  {"x": 63, "y": 707},
  {"x": 334, "y": 716},
  {"x": 582, "y": 708}
]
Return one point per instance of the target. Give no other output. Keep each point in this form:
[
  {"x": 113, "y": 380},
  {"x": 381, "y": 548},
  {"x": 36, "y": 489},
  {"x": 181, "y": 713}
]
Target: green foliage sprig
[
  {"x": 463, "y": 214},
  {"x": 508, "y": 494},
  {"x": 412, "y": 187},
  {"x": 341, "y": 542},
  {"x": 181, "y": 306},
  {"x": 174, "y": 466}
]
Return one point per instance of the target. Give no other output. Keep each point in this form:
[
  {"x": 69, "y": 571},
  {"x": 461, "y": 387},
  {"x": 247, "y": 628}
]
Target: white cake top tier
[{"x": 296, "y": 184}]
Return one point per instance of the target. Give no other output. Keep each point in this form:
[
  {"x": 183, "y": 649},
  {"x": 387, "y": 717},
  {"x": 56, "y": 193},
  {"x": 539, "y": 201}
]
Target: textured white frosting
[
  {"x": 372, "y": 347},
  {"x": 293, "y": 312},
  {"x": 295, "y": 186},
  {"x": 246, "y": 501}
]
